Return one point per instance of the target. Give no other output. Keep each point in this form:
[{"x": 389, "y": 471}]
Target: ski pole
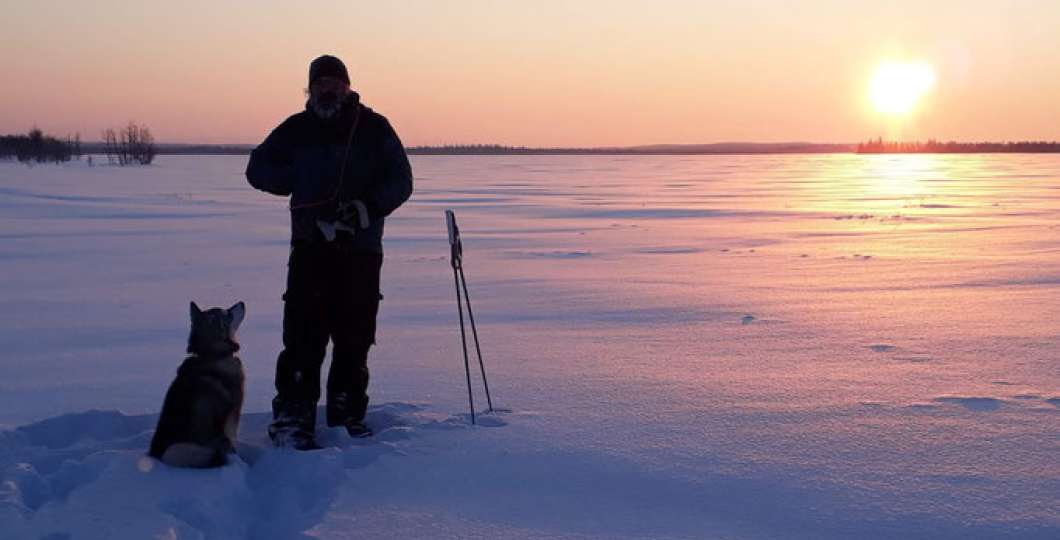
[
  {"x": 463, "y": 341},
  {"x": 474, "y": 332},
  {"x": 455, "y": 260}
]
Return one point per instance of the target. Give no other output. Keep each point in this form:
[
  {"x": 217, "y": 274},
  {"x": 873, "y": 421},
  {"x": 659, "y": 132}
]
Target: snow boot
[
  {"x": 340, "y": 412},
  {"x": 293, "y": 425}
]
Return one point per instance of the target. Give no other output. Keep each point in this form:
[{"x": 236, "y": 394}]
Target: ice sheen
[{"x": 736, "y": 347}]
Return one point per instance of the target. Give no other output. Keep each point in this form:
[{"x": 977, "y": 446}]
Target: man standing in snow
[{"x": 345, "y": 170}]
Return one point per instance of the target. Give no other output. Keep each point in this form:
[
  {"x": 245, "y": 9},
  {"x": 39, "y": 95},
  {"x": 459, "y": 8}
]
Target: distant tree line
[
  {"x": 658, "y": 149},
  {"x": 880, "y": 146},
  {"x": 493, "y": 149},
  {"x": 37, "y": 147}
]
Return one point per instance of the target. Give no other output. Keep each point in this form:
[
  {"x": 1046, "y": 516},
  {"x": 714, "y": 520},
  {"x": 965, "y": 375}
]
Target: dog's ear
[
  {"x": 195, "y": 312},
  {"x": 236, "y": 314}
]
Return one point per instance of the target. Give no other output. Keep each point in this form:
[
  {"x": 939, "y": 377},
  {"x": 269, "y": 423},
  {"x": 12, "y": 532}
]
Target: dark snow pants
[{"x": 332, "y": 294}]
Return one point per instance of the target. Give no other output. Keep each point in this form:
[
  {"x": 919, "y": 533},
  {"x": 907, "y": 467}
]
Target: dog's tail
[{"x": 196, "y": 456}]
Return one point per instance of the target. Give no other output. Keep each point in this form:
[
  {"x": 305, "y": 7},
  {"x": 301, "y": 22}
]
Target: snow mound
[{"x": 85, "y": 475}]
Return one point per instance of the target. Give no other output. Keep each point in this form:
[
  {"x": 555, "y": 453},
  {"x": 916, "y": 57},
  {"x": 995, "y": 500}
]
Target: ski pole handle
[{"x": 456, "y": 248}]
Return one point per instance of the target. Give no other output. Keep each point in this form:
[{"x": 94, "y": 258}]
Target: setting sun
[{"x": 897, "y": 87}]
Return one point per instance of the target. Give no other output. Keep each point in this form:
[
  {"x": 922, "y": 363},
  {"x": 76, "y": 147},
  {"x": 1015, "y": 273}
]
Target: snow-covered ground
[{"x": 728, "y": 347}]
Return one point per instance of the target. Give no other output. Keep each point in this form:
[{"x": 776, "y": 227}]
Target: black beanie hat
[{"x": 328, "y": 66}]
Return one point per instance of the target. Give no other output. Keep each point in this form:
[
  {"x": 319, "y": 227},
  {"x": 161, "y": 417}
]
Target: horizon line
[{"x": 648, "y": 145}]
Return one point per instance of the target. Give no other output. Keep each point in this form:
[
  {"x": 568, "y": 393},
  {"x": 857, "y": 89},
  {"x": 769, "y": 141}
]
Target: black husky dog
[{"x": 200, "y": 416}]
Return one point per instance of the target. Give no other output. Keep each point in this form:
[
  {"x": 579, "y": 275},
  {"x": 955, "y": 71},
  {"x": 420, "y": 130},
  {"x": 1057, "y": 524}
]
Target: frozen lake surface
[{"x": 739, "y": 347}]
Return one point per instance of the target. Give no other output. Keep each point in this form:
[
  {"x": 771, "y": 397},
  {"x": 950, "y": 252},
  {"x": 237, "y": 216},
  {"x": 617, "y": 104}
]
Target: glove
[
  {"x": 353, "y": 214},
  {"x": 349, "y": 216}
]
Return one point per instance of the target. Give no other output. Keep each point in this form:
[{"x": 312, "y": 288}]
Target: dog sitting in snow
[{"x": 200, "y": 415}]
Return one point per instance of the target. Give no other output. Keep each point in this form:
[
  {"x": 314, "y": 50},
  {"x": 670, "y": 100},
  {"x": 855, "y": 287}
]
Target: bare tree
[
  {"x": 110, "y": 146},
  {"x": 143, "y": 149},
  {"x": 133, "y": 144}
]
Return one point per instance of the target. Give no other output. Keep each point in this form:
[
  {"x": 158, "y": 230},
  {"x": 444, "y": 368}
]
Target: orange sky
[{"x": 535, "y": 73}]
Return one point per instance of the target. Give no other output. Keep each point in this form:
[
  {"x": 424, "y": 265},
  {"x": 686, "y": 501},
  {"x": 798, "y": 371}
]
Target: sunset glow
[
  {"x": 589, "y": 73},
  {"x": 740, "y": 269},
  {"x": 896, "y": 88}
]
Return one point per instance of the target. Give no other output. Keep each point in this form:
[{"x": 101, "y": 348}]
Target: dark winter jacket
[{"x": 302, "y": 158}]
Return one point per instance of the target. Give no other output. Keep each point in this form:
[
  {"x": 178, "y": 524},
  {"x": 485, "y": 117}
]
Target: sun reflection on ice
[{"x": 902, "y": 176}]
